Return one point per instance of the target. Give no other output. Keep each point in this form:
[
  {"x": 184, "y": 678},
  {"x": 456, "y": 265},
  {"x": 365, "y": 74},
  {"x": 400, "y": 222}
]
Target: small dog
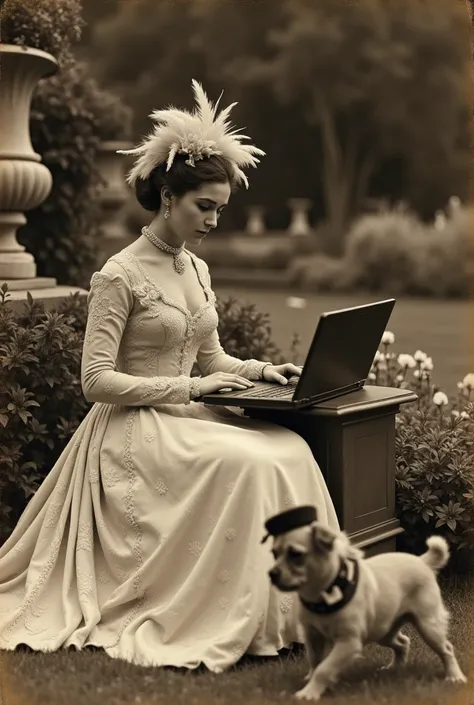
[{"x": 347, "y": 601}]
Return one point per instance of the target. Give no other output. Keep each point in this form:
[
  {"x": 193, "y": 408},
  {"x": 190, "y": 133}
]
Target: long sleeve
[
  {"x": 211, "y": 357},
  {"x": 110, "y": 302}
]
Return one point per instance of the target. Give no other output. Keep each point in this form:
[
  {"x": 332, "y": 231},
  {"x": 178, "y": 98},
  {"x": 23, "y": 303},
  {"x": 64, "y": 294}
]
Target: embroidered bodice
[{"x": 141, "y": 344}]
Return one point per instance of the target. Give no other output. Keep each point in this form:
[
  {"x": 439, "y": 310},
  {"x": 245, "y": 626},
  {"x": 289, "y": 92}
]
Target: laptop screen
[{"x": 343, "y": 348}]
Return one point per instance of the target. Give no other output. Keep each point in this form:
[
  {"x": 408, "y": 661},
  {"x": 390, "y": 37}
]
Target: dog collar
[{"x": 340, "y": 592}]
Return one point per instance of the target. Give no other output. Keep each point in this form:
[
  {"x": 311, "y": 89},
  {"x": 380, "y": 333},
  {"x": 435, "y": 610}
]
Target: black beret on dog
[{"x": 291, "y": 519}]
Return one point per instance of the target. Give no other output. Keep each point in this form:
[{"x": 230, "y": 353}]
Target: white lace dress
[{"x": 145, "y": 537}]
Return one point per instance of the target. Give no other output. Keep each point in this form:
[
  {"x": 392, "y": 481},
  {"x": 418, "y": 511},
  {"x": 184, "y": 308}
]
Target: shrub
[
  {"x": 321, "y": 272},
  {"x": 41, "y": 401},
  {"x": 434, "y": 451},
  {"x": 393, "y": 251},
  {"x": 381, "y": 250},
  {"x": 245, "y": 332},
  {"x": 445, "y": 265}
]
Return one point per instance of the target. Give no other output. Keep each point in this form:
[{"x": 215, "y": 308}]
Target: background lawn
[{"x": 442, "y": 329}]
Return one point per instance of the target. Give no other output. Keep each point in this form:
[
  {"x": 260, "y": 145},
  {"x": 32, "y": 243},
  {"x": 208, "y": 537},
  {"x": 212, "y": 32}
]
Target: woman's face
[{"x": 197, "y": 212}]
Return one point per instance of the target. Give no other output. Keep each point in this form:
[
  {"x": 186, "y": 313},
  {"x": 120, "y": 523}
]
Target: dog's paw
[
  {"x": 456, "y": 678},
  {"x": 308, "y": 693}
]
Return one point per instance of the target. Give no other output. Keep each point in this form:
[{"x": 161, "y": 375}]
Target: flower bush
[{"x": 434, "y": 450}]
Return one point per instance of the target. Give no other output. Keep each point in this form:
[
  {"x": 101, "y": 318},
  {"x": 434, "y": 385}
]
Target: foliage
[
  {"x": 245, "y": 332},
  {"x": 381, "y": 250},
  {"x": 368, "y": 108},
  {"x": 320, "y": 272},
  {"x": 393, "y": 252},
  {"x": 53, "y": 26},
  {"x": 444, "y": 265},
  {"x": 434, "y": 451},
  {"x": 400, "y": 95},
  {"x": 41, "y": 401}
]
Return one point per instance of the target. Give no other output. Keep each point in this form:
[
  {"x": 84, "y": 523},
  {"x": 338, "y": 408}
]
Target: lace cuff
[
  {"x": 195, "y": 387},
  {"x": 254, "y": 369}
]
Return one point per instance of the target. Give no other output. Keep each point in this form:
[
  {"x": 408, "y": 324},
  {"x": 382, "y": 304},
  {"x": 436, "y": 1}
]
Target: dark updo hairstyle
[{"x": 182, "y": 178}]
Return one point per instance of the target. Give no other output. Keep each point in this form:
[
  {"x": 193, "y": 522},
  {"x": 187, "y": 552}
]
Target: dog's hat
[{"x": 291, "y": 519}]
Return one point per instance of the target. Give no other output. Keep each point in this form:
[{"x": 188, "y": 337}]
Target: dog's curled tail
[{"x": 437, "y": 554}]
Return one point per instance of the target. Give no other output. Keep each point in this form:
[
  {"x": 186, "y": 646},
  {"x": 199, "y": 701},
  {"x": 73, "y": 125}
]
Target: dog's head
[{"x": 308, "y": 554}]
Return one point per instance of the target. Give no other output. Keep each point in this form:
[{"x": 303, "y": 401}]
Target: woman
[{"x": 145, "y": 537}]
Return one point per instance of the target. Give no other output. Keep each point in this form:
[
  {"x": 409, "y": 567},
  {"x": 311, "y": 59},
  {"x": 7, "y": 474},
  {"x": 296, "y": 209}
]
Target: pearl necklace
[{"x": 178, "y": 263}]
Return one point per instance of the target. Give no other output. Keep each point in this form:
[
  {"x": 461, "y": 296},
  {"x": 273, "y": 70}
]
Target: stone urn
[
  {"x": 115, "y": 192},
  {"x": 255, "y": 222},
  {"x": 299, "y": 224},
  {"x": 24, "y": 181}
]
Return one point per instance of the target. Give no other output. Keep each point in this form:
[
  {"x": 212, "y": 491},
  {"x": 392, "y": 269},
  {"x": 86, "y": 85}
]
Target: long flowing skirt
[{"x": 145, "y": 539}]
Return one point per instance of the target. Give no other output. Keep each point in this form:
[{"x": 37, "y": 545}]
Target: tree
[
  {"x": 381, "y": 78},
  {"x": 336, "y": 92}
]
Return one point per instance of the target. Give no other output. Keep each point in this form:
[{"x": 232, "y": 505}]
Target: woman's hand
[
  {"x": 223, "y": 380},
  {"x": 281, "y": 373}
]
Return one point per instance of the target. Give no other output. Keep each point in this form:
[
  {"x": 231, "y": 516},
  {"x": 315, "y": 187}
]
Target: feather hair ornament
[{"x": 199, "y": 134}]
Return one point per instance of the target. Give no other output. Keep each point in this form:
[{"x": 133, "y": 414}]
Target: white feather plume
[{"x": 199, "y": 134}]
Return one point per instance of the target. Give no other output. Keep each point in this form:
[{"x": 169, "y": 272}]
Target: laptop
[{"x": 338, "y": 362}]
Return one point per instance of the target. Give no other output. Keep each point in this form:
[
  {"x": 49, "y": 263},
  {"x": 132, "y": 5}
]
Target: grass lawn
[
  {"x": 442, "y": 329},
  {"x": 92, "y": 678}
]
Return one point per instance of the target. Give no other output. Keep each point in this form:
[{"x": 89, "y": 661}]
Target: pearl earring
[{"x": 167, "y": 211}]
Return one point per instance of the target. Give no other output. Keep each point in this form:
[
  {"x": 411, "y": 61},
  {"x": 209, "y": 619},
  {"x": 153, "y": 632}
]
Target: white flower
[
  {"x": 427, "y": 364},
  {"x": 405, "y": 360},
  {"x": 416, "y": 374},
  {"x": 464, "y": 415},
  {"x": 440, "y": 399},
  {"x": 468, "y": 381},
  {"x": 399, "y": 378},
  {"x": 388, "y": 338},
  {"x": 419, "y": 356},
  {"x": 378, "y": 356},
  {"x": 455, "y": 413},
  {"x": 461, "y": 385},
  {"x": 372, "y": 376}
]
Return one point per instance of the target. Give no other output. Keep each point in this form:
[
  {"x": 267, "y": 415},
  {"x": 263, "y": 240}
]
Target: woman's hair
[{"x": 182, "y": 178}]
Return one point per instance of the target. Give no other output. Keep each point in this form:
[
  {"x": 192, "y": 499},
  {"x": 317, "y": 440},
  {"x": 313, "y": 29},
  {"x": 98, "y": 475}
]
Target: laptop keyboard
[{"x": 276, "y": 392}]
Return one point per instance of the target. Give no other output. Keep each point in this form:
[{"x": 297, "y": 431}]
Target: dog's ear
[{"x": 322, "y": 538}]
